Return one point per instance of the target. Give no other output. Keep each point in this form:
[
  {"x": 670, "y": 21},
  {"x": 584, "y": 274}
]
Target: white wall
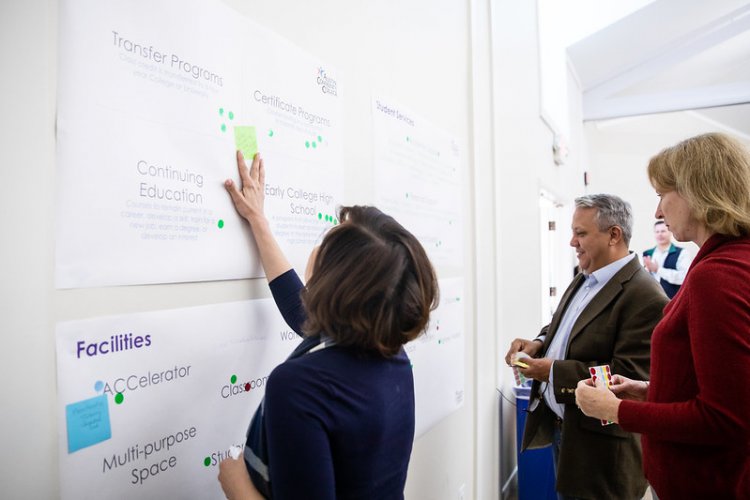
[
  {"x": 418, "y": 52},
  {"x": 484, "y": 383},
  {"x": 27, "y": 301},
  {"x": 524, "y": 164}
]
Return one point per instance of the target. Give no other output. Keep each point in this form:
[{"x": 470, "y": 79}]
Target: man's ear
[{"x": 615, "y": 235}]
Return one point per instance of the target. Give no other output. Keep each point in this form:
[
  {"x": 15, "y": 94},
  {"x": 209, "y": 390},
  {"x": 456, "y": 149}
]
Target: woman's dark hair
[{"x": 372, "y": 285}]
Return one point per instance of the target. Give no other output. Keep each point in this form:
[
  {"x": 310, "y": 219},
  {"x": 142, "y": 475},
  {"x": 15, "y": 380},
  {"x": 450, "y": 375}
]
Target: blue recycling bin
[{"x": 536, "y": 468}]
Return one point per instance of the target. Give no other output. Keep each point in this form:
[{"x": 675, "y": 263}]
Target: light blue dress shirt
[{"x": 558, "y": 348}]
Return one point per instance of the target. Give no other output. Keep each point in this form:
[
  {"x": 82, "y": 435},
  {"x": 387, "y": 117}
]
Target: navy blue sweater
[{"x": 340, "y": 422}]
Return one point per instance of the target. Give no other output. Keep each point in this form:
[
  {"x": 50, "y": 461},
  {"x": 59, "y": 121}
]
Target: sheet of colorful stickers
[{"x": 602, "y": 372}]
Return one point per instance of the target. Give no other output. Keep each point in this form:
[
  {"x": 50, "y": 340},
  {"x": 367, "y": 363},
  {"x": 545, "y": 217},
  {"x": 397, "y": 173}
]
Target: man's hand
[
  {"x": 530, "y": 347},
  {"x": 538, "y": 369}
]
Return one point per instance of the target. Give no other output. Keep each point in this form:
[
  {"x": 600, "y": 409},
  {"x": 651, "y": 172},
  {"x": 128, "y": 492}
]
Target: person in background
[
  {"x": 605, "y": 317},
  {"x": 694, "y": 414},
  {"x": 666, "y": 262},
  {"x": 337, "y": 420}
]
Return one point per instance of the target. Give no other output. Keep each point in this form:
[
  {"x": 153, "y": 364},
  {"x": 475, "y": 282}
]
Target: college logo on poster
[{"x": 327, "y": 84}]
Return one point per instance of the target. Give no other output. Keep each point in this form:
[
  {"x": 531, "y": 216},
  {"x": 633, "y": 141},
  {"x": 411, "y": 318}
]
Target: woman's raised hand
[{"x": 249, "y": 199}]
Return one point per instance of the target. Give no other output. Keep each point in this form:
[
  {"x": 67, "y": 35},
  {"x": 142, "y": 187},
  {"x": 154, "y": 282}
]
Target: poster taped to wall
[
  {"x": 437, "y": 358},
  {"x": 153, "y": 101},
  {"x": 418, "y": 180},
  {"x": 150, "y": 403}
]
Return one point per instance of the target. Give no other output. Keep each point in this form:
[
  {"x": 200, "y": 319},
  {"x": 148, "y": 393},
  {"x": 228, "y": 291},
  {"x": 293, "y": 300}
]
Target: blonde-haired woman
[{"x": 694, "y": 414}]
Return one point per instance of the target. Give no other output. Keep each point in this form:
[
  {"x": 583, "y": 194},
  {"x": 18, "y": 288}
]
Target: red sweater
[{"x": 696, "y": 420}]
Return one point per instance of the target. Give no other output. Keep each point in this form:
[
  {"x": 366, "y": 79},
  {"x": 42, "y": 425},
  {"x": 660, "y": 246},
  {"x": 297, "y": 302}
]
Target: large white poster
[
  {"x": 149, "y": 403},
  {"x": 437, "y": 358},
  {"x": 418, "y": 179},
  {"x": 154, "y": 98}
]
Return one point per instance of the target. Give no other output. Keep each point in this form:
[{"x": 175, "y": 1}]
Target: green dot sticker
[
  {"x": 270, "y": 133},
  {"x": 233, "y": 379},
  {"x": 230, "y": 115},
  {"x": 207, "y": 461},
  {"x": 220, "y": 223},
  {"x": 320, "y": 139},
  {"x": 307, "y": 144},
  {"x": 320, "y": 216},
  {"x": 314, "y": 144},
  {"x": 119, "y": 398}
]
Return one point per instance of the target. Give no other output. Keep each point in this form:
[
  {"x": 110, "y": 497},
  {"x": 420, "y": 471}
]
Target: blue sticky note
[{"x": 87, "y": 422}]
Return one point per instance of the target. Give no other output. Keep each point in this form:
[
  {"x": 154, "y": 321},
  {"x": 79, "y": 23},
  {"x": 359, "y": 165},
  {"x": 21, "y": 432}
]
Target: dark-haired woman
[{"x": 338, "y": 415}]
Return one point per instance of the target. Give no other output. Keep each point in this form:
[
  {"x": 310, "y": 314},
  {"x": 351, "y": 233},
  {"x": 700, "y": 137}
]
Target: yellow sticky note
[
  {"x": 246, "y": 140},
  {"x": 520, "y": 363}
]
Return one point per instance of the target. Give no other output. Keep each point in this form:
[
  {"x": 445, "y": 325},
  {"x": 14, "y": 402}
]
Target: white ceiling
[
  {"x": 670, "y": 55},
  {"x": 734, "y": 119}
]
